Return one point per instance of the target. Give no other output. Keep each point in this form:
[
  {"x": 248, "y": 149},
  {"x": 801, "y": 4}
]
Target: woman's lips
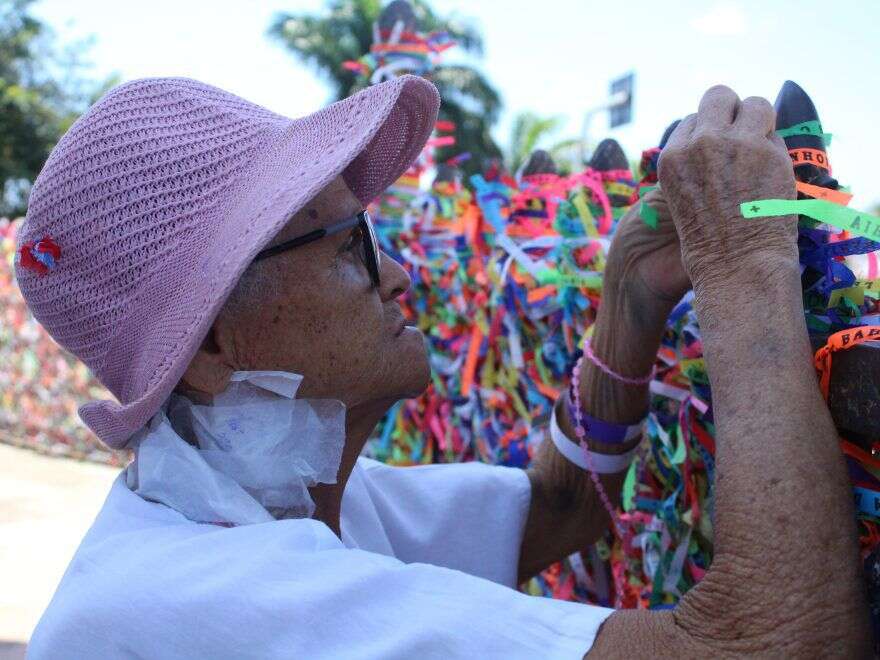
[{"x": 403, "y": 325}]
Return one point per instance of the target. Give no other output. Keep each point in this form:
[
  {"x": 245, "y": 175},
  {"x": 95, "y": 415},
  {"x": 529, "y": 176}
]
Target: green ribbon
[
  {"x": 617, "y": 212},
  {"x": 553, "y": 276},
  {"x": 805, "y": 128},
  {"x": 648, "y": 215},
  {"x": 543, "y": 372},
  {"x": 816, "y": 324},
  {"x": 629, "y": 487},
  {"x": 678, "y": 456},
  {"x": 855, "y": 222}
]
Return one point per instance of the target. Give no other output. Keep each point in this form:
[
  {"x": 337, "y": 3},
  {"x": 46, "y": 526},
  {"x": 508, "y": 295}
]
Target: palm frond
[{"x": 528, "y": 133}]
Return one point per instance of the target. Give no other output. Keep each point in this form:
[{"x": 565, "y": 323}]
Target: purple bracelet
[{"x": 602, "y": 431}]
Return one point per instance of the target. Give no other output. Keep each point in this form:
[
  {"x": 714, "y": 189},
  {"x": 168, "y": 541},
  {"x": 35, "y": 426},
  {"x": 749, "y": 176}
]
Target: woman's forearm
[
  {"x": 626, "y": 337},
  {"x": 566, "y": 513},
  {"x": 781, "y": 490}
]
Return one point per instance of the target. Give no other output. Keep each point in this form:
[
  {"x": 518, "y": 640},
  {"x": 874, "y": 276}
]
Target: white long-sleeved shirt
[{"x": 426, "y": 568}]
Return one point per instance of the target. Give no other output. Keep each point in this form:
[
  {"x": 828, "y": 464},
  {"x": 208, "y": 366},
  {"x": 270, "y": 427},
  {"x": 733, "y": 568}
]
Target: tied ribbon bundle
[
  {"x": 831, "y": 238},
  {"x": 863, "y": 467},
  {"x": 839, "y": 341},
  {"x": 394, "y": 54}
]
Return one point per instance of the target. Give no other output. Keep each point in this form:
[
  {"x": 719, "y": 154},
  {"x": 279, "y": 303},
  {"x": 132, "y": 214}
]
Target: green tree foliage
[
  {"x": 530, "y": 132},
  {"x": 41, "y": 94},
  {"x": 345, "y": 32}
]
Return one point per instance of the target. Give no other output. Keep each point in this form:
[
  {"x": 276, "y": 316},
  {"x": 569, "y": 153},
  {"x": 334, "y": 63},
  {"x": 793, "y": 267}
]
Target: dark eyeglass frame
[{"x": 372, "y": 255}]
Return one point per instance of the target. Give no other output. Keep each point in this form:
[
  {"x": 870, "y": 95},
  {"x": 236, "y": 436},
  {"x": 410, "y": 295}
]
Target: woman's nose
[{"x": 393, "y": 278}]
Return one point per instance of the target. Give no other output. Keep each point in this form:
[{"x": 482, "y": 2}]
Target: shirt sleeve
[
  {"x": 465, "y": 516},
  {"x": 289, "y": 589}
]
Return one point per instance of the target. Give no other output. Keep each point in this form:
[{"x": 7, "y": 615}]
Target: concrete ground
[{"x": 46, "y": 506}]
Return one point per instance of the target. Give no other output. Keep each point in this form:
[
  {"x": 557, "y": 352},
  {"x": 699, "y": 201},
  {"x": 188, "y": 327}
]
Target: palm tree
[
  {"x": 346, "y": 33},
  {"x": 530, "y": 132}
]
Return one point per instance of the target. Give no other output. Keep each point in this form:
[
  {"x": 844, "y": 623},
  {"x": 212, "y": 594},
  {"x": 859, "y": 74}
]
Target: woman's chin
[{"x": 416, "y": 363}]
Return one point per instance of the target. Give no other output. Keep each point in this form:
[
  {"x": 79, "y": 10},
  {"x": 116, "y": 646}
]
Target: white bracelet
[{"x": 602, "y": 463}]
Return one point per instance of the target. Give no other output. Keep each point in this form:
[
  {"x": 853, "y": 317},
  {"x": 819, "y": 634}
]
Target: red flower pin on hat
[{"x": 40, "y": 256}]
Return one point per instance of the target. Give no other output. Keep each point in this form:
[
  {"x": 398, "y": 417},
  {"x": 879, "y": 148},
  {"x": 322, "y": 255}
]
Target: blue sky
[{"x": 554, "y": 57}]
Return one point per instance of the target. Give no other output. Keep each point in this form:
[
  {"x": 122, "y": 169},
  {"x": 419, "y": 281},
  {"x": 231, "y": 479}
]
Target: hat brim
[{"x": 370, "y": 139}]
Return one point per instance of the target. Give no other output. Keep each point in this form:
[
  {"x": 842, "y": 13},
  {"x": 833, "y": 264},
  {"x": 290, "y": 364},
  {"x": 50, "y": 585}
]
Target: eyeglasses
[{"x": 369, "y": 244}]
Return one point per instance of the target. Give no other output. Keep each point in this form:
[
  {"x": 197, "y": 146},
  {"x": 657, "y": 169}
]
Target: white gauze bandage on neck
[{"x": 258, "y": 451}]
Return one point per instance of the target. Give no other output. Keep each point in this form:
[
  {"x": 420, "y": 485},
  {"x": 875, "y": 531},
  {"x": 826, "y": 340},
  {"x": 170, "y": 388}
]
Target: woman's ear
[{"x": 208, "y": 372}]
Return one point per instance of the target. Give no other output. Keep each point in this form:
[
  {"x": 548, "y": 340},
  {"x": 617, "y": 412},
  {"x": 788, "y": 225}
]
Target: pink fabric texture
[{"x": 159, "y": 197}]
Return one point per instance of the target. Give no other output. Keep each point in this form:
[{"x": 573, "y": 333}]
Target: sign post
[{"x": 619, "y": 104}]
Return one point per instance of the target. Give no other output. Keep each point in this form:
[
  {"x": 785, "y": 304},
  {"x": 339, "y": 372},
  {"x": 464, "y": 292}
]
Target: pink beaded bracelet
[
  {"x": 581, "y": 433},
  {"x": 644, "y": 380}
]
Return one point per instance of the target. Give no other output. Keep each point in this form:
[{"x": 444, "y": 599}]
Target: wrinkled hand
[
  {"x": 726, "y": 154},
  {"x": 648, "y": 260}
]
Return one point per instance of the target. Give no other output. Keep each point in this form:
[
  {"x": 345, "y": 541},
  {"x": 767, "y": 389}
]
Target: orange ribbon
[
  {"x": 470, "y": 363},
  {"x": 837, "y": 342},
  {"x": 818, "y": 192},
  {"x": 805, "y": 156}
]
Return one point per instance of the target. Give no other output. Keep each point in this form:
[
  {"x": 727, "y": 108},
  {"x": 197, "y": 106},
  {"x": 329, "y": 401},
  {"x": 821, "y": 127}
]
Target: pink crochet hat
[{"x": 155, "y": 201}]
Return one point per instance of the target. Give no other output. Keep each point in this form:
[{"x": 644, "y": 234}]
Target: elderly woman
[{"x": 213, "y": 264}]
